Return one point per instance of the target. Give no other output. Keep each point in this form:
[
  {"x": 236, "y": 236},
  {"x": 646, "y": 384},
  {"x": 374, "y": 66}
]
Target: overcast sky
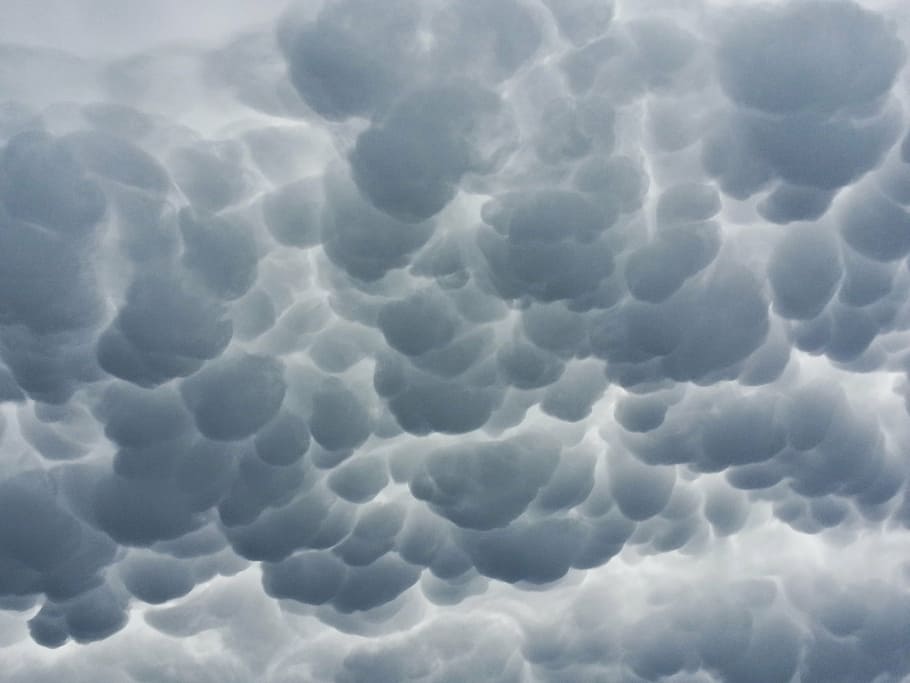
[{"x": 444, "y": 341}]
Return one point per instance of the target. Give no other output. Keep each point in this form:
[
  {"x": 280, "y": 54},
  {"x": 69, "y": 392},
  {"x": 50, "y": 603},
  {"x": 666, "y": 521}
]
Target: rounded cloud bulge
[{"x": 549, "y": 341}]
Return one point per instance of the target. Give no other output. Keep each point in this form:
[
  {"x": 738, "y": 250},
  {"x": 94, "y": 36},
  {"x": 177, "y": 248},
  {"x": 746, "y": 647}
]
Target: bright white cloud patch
[{"x": 454, "y": 340}]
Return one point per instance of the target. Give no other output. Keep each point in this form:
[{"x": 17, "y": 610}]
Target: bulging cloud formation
[{"x": 477, "y": 340}]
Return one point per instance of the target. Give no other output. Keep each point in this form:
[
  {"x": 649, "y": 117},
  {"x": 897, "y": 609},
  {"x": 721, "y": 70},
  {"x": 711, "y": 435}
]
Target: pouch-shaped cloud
[
  {"x": 234, "y": 397},
  {"x": 508, "y": 479},
  {"x": 410, "y": 164},
  {"x": 455, "y": 340},
  {"x": 813, "y": 80},
  {"x": 808, "y": 56}
]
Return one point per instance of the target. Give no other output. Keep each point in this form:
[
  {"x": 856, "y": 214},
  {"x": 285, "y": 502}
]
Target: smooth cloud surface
[{"x": 435, "y": 340}]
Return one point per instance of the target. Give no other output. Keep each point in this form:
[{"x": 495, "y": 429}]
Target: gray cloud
[{"x": 520, "y": 340}]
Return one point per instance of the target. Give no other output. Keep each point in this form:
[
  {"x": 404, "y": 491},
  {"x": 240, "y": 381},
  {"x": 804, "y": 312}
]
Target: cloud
[{"x": 523, "y": 340}]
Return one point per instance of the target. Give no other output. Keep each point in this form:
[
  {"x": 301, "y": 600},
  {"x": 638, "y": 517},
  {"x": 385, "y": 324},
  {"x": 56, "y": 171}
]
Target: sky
[{"x": 434, "y": 341}]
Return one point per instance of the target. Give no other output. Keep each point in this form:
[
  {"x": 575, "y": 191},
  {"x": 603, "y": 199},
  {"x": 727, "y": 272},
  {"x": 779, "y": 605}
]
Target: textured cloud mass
[{"x": 374, "y": 341}]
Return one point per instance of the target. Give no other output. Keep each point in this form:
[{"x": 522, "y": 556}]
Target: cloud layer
[{"x": 424, "y": 340}]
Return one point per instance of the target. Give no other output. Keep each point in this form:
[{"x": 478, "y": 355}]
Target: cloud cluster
[{"x": 508, "y": 340}]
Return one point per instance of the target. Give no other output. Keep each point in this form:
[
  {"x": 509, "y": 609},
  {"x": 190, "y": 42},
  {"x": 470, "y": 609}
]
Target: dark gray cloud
[{"x": 513, "y": 340}]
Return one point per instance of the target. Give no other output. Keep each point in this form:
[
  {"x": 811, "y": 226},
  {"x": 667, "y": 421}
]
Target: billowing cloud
[{"x": 478, "y": 340}]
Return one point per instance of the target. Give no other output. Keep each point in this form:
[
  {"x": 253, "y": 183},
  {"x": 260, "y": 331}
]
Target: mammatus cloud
[{"x": 436, "y": 340}]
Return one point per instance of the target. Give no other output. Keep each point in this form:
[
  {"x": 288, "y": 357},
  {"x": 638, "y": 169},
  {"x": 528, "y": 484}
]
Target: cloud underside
[{"x": 511, "y": 340}]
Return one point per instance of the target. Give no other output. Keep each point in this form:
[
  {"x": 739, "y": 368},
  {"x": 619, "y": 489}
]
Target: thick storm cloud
[{"x": 373, "y": 341}]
